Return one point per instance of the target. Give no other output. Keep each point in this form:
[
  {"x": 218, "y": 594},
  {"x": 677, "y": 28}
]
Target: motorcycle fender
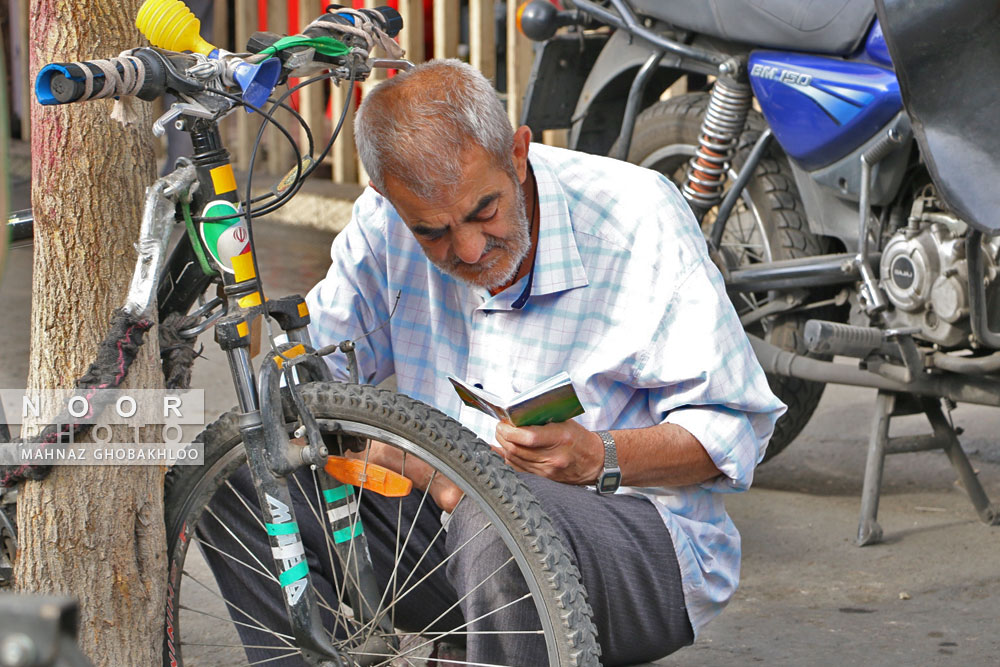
[
  {"x": 946, "y": 57},
  {"x": 558, "y": 73},
  {"x": 597, "y": 118}
]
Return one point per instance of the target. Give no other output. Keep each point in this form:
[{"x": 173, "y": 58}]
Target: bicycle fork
[{"x": 271, "y": 458}]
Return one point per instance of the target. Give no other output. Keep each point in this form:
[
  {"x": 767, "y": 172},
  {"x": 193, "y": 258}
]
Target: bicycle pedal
[{"x": 370, "y": 476}]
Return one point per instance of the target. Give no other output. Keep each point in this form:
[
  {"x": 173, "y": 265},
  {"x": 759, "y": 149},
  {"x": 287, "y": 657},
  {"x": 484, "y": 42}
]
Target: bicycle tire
[{"x": 558, "y": 594}]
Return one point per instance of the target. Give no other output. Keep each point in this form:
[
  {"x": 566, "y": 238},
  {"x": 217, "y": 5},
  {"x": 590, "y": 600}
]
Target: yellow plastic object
[
  {"x": 373, "y": 477},
  {"x": 169, "y": 24}
]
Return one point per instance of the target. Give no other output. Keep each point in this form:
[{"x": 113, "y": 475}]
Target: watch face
[{"x": 609, "y": 482}]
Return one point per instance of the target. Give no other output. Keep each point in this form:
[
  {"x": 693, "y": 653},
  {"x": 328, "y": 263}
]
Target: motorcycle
[{"x": 842, "y": 165}]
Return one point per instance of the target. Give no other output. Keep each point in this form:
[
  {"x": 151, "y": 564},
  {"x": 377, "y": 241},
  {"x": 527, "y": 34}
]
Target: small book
[{"x": 552, "y": 400}]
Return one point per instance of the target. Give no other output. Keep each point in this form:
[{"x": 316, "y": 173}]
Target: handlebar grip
[
  {"x": 64, "y": 83},
  {"x": 387, "y": 18}
]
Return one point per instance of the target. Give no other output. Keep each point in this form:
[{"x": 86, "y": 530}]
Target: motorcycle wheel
[{"x": 768, "y": 224}]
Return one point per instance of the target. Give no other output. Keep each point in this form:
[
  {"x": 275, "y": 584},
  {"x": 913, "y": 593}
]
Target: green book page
[{"x": 555, "y": 405}]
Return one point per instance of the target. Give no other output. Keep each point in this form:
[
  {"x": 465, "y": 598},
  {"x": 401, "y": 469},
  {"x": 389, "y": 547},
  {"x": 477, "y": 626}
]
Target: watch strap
[
  {"x": 610, "y": 451},
  {"x": 610, "y": 478}
]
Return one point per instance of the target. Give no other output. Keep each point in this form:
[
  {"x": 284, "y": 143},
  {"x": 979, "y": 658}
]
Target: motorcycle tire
[{"x": 665, "y": 137}]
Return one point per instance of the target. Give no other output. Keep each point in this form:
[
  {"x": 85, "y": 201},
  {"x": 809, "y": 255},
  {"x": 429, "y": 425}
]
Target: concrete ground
[{"x": 928, "y": 595}]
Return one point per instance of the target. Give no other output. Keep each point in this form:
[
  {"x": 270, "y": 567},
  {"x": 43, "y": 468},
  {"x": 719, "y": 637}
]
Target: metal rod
[
  {"x": 626, "y": 21},
  {"x": 914, "y": 443},
  {"x": 746, "y": 173},
  {"x": 812, "y": 271},
  {"x": 869, "y": 531},
  {"x": 635, "y": 95},
  {"x": 243, "y": 378},
  {"x": 960, "y": 462}
]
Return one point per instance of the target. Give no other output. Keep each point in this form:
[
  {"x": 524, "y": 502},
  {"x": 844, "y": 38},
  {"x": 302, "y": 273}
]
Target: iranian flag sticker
[{"x": 227, "y": 237}]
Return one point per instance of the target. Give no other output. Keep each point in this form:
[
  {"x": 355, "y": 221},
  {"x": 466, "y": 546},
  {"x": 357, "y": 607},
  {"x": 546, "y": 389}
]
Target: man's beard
[{"x": 501, "y": 268}]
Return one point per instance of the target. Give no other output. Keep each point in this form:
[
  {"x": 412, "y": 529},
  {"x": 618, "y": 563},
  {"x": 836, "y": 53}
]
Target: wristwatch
[{"x": 611, "y": 477}]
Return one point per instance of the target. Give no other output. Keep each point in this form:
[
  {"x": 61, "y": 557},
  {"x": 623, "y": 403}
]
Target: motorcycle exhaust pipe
[{"x": 959, "y": 388}]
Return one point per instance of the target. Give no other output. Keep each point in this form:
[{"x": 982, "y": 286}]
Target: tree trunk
[{"x": 95, "y": 533}]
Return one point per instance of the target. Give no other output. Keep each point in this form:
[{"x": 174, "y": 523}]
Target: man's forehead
[{"x": 462, "y": 200}]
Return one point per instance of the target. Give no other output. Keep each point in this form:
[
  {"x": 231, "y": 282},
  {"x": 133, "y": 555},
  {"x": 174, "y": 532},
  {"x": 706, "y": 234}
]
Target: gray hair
[{"x": 416, "y": 126}]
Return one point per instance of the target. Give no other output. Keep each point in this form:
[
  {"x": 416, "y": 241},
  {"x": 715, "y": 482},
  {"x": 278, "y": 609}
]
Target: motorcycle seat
[{"x": 815, "y": 26}]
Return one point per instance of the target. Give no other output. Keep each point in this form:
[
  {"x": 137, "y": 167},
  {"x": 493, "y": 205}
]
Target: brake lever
[{"x": 391, "y": 63}]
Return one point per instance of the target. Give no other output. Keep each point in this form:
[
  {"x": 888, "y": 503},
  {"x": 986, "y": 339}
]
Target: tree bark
[{"x": 95, "y": 533}]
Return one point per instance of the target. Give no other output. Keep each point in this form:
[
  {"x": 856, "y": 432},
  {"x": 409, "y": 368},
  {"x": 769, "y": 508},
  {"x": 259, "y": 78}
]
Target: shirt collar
[{"x": 557, "y": 265}]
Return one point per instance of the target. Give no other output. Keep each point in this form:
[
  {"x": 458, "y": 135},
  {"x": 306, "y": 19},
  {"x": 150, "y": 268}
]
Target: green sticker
[
  {"x": 338, "y": 493},
  {"x": 349, "y": 533},
  {"x": 288, "y": 528},
  {"x": 293, "y": 574}
]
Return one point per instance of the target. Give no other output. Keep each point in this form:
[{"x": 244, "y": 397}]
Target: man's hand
[
  {"x": 563, "y": 451},
  {"x": 442, "y": 490}
]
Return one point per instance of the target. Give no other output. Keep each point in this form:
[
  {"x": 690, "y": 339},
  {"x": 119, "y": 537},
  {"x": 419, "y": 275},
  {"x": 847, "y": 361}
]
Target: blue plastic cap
[
  {"x": 43, "y": 83},
  {"x": 257, "y": 81}
]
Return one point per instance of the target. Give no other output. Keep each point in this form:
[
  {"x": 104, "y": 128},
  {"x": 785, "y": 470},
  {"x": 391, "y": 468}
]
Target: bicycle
[{"x": 295, "y": 425}]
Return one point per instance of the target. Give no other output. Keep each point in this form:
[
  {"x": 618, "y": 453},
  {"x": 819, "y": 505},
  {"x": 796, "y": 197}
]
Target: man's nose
[{"x": 468, "y": 243}]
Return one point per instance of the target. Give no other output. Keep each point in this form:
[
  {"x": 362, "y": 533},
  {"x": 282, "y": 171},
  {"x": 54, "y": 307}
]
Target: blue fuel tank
[{"x": 821, "y": 108}]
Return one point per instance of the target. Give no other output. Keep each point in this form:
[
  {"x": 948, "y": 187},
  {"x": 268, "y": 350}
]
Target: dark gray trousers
[{"x": 620, "y": 546}]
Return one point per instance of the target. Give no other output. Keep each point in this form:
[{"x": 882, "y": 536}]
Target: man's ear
[{"x": 522, "y": 138}]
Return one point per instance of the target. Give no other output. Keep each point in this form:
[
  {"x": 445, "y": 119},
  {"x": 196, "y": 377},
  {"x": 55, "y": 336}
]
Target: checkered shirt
[{"x": 623, "y": 297}]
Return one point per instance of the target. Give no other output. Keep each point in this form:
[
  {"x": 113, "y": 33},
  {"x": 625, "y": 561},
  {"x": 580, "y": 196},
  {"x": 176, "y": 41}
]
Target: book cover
[{"x": 552, "y": 400}]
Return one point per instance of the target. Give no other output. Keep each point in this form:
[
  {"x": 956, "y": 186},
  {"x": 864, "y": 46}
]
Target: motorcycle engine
[{"x": 925, "y": 274}]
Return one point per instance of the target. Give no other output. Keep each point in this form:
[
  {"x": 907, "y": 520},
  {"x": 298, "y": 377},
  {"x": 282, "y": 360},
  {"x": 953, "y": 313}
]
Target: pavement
[{"x": 929, "y": 594}]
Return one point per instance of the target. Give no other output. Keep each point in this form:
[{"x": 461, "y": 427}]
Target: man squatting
[{"x": 513, "y": 261}]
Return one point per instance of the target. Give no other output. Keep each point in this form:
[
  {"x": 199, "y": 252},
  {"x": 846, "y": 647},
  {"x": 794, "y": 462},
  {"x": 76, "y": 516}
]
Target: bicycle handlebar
[
  {"x": 143, "y": 73},
  {"x": 149, "y": 73}
]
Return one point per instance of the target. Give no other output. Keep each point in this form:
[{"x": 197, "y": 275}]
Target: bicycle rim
[{"x": 196, "y": 614}]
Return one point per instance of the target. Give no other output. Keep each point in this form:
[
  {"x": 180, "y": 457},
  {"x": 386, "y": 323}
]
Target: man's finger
[{"x": 526, "y": 436}]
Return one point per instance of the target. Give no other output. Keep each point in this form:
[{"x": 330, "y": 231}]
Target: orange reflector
[{"x": 373, "y": 477}]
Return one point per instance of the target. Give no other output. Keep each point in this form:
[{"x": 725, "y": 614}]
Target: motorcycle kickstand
[{"x": 944, "y": 437}]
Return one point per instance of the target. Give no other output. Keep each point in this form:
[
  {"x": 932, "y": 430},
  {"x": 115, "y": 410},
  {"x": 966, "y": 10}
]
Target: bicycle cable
[{"x": 249, "y": 213}]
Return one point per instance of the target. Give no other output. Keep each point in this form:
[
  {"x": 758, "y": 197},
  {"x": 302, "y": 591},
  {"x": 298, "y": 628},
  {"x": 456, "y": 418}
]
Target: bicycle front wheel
[{"x": 414, "y": 548}]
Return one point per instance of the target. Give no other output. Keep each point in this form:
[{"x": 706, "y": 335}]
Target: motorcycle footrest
[{"x": 835, "y": 338}]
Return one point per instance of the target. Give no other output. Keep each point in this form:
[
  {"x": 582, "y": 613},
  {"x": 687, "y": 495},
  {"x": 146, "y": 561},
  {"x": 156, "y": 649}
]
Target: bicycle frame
[{"x": 207, "y": 180}]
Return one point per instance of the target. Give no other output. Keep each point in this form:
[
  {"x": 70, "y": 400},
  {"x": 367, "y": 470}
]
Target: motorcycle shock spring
[{"x": 720, "y": 130}]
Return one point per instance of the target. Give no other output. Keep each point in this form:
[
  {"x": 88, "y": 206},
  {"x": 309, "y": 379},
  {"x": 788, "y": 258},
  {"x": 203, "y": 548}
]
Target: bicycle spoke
[
  {"x": 399, "y": 527},
  {"x": 222, "y": 523},
  {"x": 243, "y": 501},
  {"x": 444, "y": 561},
  {"x": 260, "y": 626},
  {"x": 449, "y": 661},
  {"x": 266, "y": 575},
  {"x": 260, "y": 646},
  {"x": 526, "y": 596},
  {"x": 393, "y": 579},
  {"x": 351, "y": 555},
  {"x": 230, "y": 620},
  {"x": 277, "y": 657}
]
